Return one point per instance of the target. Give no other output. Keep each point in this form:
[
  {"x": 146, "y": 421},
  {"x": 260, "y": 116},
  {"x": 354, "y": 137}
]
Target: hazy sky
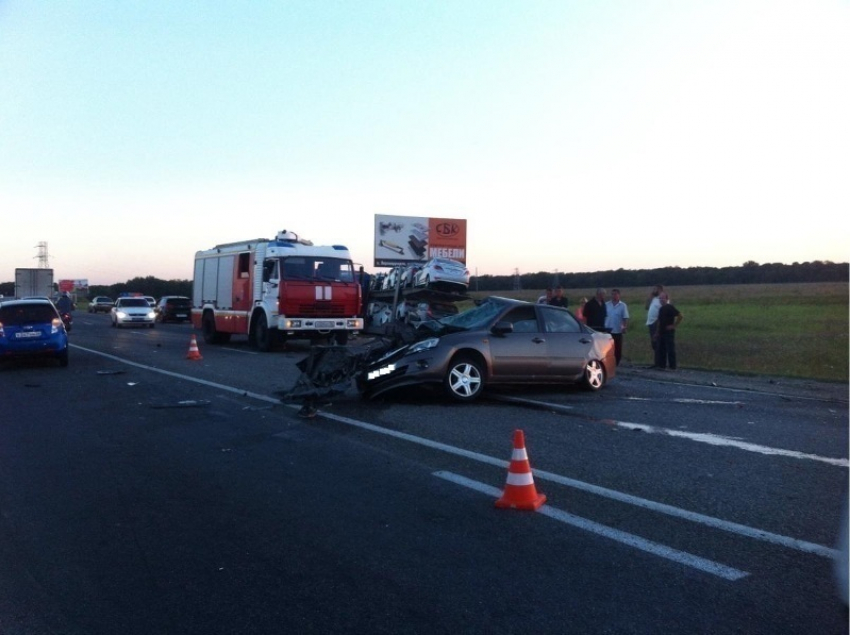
[{"x": 576, "y": 135}]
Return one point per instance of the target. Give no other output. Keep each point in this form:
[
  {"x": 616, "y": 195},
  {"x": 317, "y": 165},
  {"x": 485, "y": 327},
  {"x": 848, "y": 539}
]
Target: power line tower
[
  {"x": 556, "y": 280},
  {"x": 517, "y": 280},
  {"x": 43, "y": 258}
]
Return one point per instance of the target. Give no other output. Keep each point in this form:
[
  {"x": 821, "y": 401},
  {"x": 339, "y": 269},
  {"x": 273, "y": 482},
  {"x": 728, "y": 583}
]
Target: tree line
[{"x": 748, "y": 273}]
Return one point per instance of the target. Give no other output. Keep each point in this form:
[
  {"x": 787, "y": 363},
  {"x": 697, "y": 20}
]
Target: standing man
[
  {"x": 617, "y": 321},
  {"x": 365, "y": 285},
  {"x": 559, "y": 299},
  {"x": 544, "y": 299},
  {"x": 652, "y": 305},
  {"x": 595, "y": 311},
  {"x": 669, "y": 318}
]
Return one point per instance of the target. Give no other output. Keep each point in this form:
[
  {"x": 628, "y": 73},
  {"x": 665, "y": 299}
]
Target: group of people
[{"x": 612, "y": 316}]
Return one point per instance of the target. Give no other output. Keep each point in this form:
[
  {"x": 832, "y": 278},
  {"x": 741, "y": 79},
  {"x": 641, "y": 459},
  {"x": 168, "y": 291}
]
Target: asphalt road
[{"x": 142, "y": 492}]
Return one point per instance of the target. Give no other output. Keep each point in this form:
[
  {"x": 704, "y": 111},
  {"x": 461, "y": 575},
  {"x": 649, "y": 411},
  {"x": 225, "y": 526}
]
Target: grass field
[{"x": 786, "y": 330}]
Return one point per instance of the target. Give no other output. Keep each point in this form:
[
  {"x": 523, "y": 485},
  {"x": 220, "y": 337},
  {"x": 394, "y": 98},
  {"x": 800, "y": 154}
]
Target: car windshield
[
  {"x": 478, "y": 317},
  {"x": 308, "y": 268},
  {"x": 26, "y": 314},
  {"x": 134, "y": 302}
]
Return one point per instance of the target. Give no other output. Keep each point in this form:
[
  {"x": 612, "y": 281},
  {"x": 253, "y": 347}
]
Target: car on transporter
[{"x": 500, "y": 341}]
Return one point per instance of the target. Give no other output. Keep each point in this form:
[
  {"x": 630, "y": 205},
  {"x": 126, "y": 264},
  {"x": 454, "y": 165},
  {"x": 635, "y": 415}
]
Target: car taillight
[{"x": 55, "y": 325}]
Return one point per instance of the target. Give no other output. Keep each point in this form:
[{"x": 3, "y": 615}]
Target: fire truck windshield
[{"x": 309, "y": 268}]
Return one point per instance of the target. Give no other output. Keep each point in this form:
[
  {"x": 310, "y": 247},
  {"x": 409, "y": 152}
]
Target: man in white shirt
[
  {"x": 653, "y": 304},
  {"x": 616, "y": 321},
  {"x": 544, "y": 299}
]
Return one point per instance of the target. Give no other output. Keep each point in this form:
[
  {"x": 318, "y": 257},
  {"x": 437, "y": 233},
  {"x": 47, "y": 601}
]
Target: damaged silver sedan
[{"x": 498, "y": 342}]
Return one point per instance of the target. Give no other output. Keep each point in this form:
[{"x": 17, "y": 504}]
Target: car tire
[
  {"x": 464, "y": 380},
  {"x": 594, "y": 375}
]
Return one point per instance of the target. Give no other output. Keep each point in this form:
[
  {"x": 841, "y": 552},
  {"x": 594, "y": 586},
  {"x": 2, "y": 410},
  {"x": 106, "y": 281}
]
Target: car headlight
[
  {"x": 121, "y": 314},
  {"x": 424, "y": 345}
]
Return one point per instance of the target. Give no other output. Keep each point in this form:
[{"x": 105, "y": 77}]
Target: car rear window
[
  {"x": 178, "y": 302},
  {"x": 26, "y": 314}
]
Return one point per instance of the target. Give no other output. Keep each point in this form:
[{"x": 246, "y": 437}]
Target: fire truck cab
[{"x": 271, "y": 290}]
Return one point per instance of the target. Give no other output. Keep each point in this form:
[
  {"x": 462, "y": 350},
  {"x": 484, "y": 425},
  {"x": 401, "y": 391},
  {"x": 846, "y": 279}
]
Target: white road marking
[
  {"x": 663, "y": 551},
  {"x": 719, "y": 440},
  {"x": 700, "y": 437},
  {"x": 717, "y": 523},
  {"x": 709, "y": 402}
]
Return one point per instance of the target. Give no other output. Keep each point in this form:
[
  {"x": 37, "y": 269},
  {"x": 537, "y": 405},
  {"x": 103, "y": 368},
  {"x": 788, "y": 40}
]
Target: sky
[{"x": 572, "y": 135}]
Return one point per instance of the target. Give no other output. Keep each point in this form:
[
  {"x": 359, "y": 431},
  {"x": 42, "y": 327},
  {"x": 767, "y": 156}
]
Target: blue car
[{"x": 32, "y": 328}]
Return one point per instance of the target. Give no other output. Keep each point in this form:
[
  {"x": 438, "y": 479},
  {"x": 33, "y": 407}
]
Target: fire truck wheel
[
  {"x": 211, "y": 336},
  {"x": 262, "y": 335},
  {"x": 341, "y": 338}
]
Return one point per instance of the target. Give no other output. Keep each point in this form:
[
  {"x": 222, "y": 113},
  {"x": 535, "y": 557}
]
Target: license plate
[
  {"x": 181, "y": 315},
  {"x": 324, "y": 324},
  {"x": 25, "y": 334}
]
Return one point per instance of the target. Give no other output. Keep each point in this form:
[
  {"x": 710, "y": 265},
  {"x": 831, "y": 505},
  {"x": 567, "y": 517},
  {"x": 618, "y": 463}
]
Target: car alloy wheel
[
  {"x": 464, "y": 380},
  {"x": 594, "y": 375}
]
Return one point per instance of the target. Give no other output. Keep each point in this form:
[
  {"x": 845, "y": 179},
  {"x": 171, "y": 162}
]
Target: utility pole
[
  {"x": 517, "y": 280},
  {"x": 43, "y": 260}
]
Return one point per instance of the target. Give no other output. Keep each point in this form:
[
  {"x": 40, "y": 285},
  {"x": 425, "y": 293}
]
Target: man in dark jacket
[{"x": 595, "y": 312}]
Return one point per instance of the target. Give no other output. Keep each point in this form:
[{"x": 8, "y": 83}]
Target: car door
[
  {"x": 521, "y": 355},
  {"x": 567, "y": 345}
]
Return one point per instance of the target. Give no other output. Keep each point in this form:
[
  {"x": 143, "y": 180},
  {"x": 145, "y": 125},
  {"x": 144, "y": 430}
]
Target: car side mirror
[{"x": 502, "y": 328}]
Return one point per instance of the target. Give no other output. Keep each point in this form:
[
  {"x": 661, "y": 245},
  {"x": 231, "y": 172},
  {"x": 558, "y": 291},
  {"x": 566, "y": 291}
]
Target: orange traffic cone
[
  {"x": 194, "y": 353},
  {"x": 520, "y": 492}
]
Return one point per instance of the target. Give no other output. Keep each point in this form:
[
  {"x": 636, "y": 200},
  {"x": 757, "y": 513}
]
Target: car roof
[{"x": 28, "y": 302}]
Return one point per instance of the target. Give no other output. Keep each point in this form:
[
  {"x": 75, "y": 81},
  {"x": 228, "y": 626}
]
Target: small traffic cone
[
  {"x": 520, "y": 492},
  {"x": 194, "y": 353}
]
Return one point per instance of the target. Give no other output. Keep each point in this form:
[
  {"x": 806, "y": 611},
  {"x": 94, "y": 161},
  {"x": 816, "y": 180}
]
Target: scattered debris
[{"x": 188, "y": 403}]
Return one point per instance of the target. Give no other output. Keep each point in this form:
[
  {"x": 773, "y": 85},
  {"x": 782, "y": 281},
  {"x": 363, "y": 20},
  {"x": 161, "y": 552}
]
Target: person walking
[
  {"x": 669, "y": 318},
  {"x": 595, "y": 311},
  {"x": 616, "y": 322},
  {"x": 652, "y": 305},
  {"x": 559, "y": 299}
]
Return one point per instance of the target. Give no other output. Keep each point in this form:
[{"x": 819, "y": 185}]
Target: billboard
[
  {"x": 401, "y": 240},
  {"x": 79, "y": 284}
]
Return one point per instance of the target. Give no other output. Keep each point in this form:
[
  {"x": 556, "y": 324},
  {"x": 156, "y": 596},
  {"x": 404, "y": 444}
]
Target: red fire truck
[{"x": 271, "y": 290}]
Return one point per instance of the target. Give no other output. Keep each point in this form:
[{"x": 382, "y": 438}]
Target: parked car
[
  {"x": 174, "y": 308},
  {"x": 442, "y": 273},
  {"x": 498, "y": 342},
  {"x": 132, "y": 310},
  {"x": 32, "y": 328},
  {"x": 100, "y": 304},
  {"x": 151, "y": 300}
]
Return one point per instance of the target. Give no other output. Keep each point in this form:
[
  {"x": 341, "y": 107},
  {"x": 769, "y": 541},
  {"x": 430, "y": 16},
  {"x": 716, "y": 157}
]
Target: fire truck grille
[{"x": 322, "y": 308}]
